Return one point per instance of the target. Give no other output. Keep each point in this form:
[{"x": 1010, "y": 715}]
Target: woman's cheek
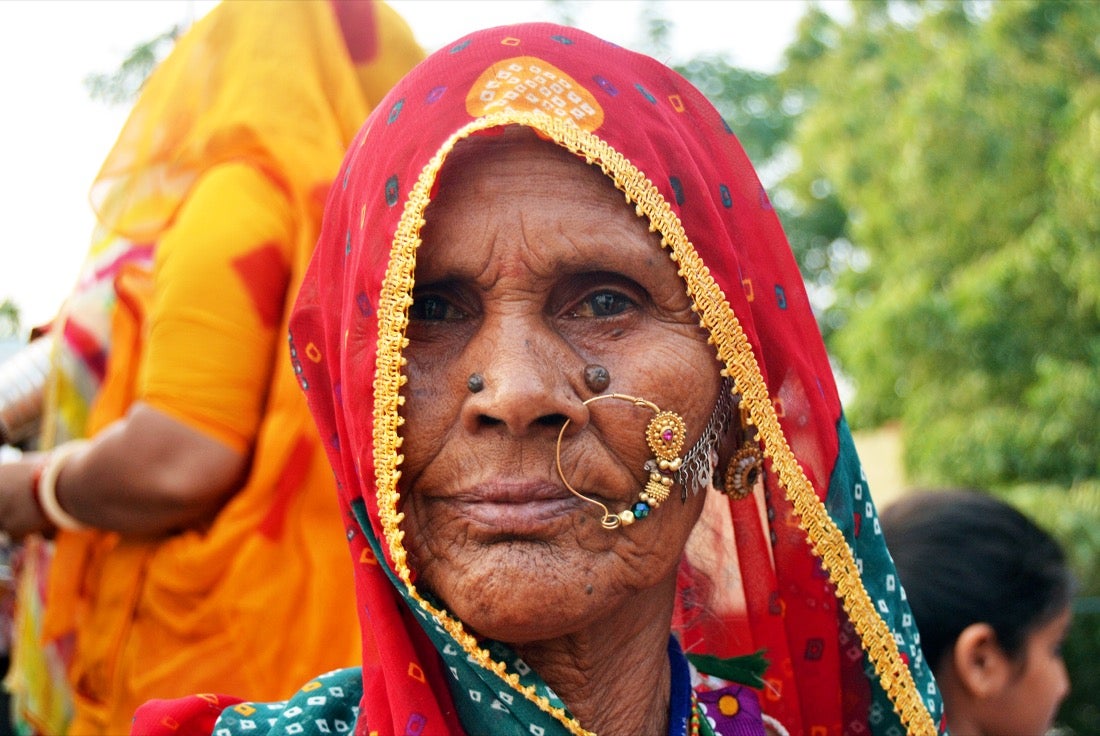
[
  {"x": 430, "y": 413},
  {"x": 432, "y": 538}
]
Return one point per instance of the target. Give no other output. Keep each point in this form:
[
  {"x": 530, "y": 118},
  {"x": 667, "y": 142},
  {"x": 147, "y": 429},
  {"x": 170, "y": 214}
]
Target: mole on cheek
[{"x": 588, "y": 590}]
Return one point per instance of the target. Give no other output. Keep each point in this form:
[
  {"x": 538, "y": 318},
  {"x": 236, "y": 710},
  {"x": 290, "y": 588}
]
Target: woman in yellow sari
[{"x": 198, "y": 516}]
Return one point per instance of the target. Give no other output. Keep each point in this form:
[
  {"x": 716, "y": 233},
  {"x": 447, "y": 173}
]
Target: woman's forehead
[
  {"x": 513, "y": 149},
  {"x": 506, "y": 194}
]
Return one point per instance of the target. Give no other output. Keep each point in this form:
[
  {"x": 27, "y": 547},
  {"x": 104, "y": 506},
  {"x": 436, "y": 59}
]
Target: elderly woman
[{"x": 591, "y": 455}]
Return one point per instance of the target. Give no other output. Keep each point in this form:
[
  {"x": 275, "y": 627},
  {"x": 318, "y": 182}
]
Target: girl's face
[{"x": 1030, "y": 701}]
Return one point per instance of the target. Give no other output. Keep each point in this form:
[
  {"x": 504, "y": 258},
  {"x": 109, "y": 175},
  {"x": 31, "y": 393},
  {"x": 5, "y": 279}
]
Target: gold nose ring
[{"x": 665, "y": 436}]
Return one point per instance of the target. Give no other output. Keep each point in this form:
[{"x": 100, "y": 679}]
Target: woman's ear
[{"x": 981, "y": 665}]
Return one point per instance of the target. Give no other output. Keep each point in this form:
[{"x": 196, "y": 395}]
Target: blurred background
[{"x": 936, "y": 166}]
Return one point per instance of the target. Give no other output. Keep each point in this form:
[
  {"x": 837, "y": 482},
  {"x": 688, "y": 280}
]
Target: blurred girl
[{"x": 991, "y": 595}]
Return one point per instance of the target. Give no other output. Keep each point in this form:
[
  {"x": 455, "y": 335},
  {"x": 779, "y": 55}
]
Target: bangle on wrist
[
  {"x": 45, "y": 486},
  {"x": 36, "y": 480}
]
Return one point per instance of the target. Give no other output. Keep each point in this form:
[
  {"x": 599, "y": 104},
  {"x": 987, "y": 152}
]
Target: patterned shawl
[{"x": 802, "y": 573}]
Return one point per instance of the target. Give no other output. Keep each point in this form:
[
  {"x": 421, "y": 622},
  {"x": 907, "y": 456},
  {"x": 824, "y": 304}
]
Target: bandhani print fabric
[
  {"x": 798, "y": 570},
  {"x": 328, "y": 704}
]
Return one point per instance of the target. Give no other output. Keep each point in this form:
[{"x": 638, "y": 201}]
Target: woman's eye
[
  {"x": 603, "y": 304},
  {"x": 434, "y": 308}
]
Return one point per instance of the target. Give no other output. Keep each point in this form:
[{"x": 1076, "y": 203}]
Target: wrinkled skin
[{"x": 533, "y": 266}]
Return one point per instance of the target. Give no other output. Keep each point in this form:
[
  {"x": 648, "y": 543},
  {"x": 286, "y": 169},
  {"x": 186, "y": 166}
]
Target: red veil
[{"x": 799, "y": 570}]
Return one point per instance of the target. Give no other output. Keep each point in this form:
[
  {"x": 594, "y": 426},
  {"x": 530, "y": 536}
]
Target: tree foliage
[
  {"x": 122, "y": 85},
  {"x": 961, "y": 155},
  {"x": 9, "y": 319}
]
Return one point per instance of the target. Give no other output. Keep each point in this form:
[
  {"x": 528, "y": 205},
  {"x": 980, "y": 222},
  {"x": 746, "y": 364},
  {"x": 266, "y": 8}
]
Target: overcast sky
[{"x": 54, "y": 138}]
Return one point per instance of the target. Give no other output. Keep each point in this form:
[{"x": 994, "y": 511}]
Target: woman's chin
[{"x": 520, "y": 591}]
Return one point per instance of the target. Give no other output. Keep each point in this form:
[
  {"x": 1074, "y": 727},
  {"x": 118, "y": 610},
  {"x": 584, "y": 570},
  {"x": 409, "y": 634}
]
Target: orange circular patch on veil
[{"x": 527, "y": 83}]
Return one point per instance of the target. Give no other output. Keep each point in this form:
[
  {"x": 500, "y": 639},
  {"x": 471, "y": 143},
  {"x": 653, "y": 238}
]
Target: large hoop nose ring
[{"x": 665, "y": 436}]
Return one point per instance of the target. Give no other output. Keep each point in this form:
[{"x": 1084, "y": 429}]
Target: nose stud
[
  {"x": 475, "y": 383},
  {"x": 596, "y": 378}
]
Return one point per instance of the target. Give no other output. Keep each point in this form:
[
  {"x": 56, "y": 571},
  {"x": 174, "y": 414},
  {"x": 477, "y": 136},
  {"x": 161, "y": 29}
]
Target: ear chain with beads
[{"x": 697, "y": 469}]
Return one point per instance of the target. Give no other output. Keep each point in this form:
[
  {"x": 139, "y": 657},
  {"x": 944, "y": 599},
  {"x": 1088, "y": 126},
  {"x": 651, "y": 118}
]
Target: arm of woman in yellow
[
  {"x": 149, "y": 474},
  {"x": 183, "y": 447}
]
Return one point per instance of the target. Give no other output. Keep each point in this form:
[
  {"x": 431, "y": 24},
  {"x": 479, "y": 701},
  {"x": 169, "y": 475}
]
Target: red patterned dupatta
[{"x": 799, "y": 569}]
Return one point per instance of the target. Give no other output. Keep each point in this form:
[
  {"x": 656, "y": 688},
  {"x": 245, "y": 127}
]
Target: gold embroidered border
[{"x": 716, "y": 316}]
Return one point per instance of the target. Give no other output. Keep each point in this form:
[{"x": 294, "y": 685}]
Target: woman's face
[{"x": 532, "y": 267}]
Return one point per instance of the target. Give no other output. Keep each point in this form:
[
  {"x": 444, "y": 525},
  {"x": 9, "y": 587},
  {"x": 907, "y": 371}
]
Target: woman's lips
[{"x": 516, "y": 509}]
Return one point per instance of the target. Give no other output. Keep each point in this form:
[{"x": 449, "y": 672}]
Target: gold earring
[
  {"x": 665, "y": 436},
  {"x": 747, "y": 464},
  {"x": 744, "y": 469}
]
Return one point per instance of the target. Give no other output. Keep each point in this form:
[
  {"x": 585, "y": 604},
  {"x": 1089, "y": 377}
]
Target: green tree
[
  {"x": 960, "y": 155},
  {"x": 957, "y": 146},
  {"x": 10, "y": 323},
  {"x": 122, "y": 85},
  {"x": 750, "y": 101}
]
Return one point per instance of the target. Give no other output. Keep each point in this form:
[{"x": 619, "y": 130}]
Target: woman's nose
[{"x": 524, "y": 384}]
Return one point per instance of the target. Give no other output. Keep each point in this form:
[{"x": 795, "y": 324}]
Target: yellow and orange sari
[{"x": 208, "y": 209}]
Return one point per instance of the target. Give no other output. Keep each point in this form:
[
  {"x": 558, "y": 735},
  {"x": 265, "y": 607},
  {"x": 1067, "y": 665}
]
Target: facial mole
[{"x": 588, "y": 589}]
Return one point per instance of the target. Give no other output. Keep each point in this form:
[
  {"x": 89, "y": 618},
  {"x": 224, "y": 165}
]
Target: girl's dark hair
[{"x": 965, "y": 557}]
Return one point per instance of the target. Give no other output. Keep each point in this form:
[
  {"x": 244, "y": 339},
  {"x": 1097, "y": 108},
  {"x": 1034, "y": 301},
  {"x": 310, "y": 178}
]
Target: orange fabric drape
[{"x": 259, "y": 600}]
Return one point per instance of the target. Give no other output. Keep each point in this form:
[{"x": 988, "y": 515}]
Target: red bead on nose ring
[{"x": 665, "y": 436}]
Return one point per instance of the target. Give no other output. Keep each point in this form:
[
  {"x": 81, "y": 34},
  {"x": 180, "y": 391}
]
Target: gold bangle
[{"x": 46, "y": 489}]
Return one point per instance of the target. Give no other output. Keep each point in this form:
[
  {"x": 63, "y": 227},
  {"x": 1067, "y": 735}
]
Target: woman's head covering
[{"x": 802, "y": 573}]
